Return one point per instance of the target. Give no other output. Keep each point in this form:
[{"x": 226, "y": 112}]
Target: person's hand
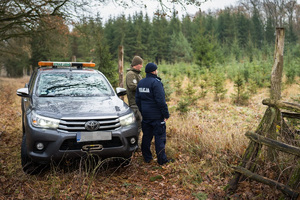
[{"x": 166, "y": 119}]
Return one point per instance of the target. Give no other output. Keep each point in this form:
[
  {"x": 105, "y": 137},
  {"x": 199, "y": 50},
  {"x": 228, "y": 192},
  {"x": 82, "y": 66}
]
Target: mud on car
[{"x": 70, "y": 110}]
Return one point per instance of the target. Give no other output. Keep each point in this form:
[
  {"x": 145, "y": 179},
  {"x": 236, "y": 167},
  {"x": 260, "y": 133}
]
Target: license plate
[{"x": 93, "y": 136}]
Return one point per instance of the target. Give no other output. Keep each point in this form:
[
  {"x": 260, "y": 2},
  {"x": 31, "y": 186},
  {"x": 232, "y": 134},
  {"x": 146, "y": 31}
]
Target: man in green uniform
[{"x": 132, "y": 79}]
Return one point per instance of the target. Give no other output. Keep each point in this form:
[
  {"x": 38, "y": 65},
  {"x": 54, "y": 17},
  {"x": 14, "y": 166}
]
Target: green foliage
[
  {"x": 204, "y": 51},
  {"x": 242, "y": 30},
  {"x": 190, "y": 94},
  {"x": 215, "y": 38},
  {"x": 177, "y": 85},
  {"x": 188, "y": 99},
  {"x": 203, "y": 86},
  {"x": 236, "y": 50},
  {"x": 241, "y": 97},
  {"x": 257, "y": 29},
  {"x": 15, "y": 65},
  {"x": 255, "y": 72},
  {"x": 290, "y": 73},
  {"x": 92, "y": 46},
  {"x": 270, "y": 30},
  {"x": 252, "y": 87},
  {"x": 180, "y": 49},
  {"x": 183, "y": 106},
  {"x": 219, "y": 85},
  {"x": 167, "y": 87},
  {"x": 291, "y": 66}
]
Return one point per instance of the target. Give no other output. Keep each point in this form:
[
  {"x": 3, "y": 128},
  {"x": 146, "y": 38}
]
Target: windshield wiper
[{"x": 47, "y": 95}]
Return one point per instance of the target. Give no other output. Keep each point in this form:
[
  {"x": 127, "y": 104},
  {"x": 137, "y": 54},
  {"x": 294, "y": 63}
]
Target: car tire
[{"x": 28, "y": 166}]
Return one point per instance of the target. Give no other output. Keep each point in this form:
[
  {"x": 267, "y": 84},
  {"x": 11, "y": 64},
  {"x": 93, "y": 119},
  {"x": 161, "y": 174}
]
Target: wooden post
[
  {"x": 121, "y": 64},
  {"x": 275, "y": 92},
  {"x": 276, "y": 75}
]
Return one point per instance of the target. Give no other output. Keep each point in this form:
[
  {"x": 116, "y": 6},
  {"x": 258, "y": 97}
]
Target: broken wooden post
[
  {"x": 276, "y": 75},
  {"x": 275, "y": 92}
]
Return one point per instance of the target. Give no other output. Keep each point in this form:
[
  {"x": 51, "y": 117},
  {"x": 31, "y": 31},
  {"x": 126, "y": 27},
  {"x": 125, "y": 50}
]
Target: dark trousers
[{"x": 156, "y": 128}]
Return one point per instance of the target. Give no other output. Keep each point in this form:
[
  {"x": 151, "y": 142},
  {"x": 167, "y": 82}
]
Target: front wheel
[{"x": 28, "y": 166}]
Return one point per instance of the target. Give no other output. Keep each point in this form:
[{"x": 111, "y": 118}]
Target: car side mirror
[
  {"x": 121, "y": 91},
  {"x": 23, "y": 92}
]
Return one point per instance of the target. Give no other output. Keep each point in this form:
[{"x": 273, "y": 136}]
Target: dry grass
[{"x": 205, "y": 143}]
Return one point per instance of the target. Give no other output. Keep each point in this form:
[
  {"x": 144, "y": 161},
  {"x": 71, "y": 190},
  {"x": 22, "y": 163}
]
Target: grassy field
[{"x": 205, "y": 142}]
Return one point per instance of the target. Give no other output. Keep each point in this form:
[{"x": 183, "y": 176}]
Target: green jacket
[{"x": 132, "y": 78}]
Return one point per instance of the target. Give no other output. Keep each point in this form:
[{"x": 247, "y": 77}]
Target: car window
[
  {"x": 31, "y": 81},
  {"x": 73, "y": 84}
]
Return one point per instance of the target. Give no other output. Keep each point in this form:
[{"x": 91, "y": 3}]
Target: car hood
[{"x": 59, "y": 107}]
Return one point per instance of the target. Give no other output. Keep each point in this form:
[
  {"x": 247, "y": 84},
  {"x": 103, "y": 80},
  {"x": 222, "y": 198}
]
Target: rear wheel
[{"x": 28, "y": 166}]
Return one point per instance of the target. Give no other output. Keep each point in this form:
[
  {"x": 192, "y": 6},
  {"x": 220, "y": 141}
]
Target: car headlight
[
  {"x": 127, "y": 119},
  {"x": 43, "y": 122}
]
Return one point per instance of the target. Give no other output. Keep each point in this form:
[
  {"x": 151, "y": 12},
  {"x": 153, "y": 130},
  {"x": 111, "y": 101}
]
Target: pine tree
[
  {"x": 161, "y": 38},
  {"x": 180, "y": 49},
  {"x": 187, "y": 28},
  {"x": 257, "y": 31},
  {"x": 204, "y": 47},
  {"x": 270, "y": 31},
  {"x": 242, "y": 30}
]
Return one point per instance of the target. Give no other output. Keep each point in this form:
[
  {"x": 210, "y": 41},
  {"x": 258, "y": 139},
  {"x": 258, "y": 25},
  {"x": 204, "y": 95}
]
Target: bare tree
[
  {"x": 279, "y": 10},
  {"x": 19, "y": 18}
]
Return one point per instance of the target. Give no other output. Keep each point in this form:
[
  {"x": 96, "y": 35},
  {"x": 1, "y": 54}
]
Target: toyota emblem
[{"x": 92, "y": 125}]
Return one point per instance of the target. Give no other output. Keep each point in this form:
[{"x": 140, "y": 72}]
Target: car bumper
[{"x": 59, "y": 145}]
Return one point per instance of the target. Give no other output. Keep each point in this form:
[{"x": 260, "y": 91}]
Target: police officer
[
  {"x": 132, "y": 78},
  {"x": 150, "y": 99}
]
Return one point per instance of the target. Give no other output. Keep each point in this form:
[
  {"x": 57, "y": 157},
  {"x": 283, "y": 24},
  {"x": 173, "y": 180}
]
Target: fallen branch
[
  {"x": 284, "y": 105},
  {"x": 285, "y": 189},
  {"x": 273, "y": 143}
]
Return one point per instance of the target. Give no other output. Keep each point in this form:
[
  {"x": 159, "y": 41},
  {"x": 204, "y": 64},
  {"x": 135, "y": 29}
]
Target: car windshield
[{"x": 79, "y": 84}]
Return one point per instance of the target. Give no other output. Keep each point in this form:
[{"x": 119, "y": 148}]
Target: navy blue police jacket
[{"x": 150, "y": 98}]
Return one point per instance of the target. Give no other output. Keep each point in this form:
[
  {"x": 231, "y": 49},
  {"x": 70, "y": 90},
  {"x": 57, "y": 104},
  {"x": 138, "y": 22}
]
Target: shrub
[
  {"x": 203, "y": 86},
  {"x": 167, "y": 87},
  {"x": 183, "y": 106},
  {"x": 241, "y": 97},
  {"x": 219, "y": 87},
  {"x": 177, "y": 85}
]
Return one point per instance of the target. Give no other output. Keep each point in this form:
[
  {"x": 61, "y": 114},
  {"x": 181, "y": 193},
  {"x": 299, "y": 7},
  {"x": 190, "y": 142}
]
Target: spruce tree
[{"x": 257, "y": 30}]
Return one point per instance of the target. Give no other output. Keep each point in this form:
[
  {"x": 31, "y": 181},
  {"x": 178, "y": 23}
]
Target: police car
[{"x": 70, "y": 110}]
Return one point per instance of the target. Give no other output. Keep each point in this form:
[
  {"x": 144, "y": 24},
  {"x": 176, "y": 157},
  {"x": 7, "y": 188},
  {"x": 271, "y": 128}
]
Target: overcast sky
[{"x": 114, "y": 10}]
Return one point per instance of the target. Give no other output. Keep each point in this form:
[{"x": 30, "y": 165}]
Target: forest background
[{"x": 244, "y": 33}]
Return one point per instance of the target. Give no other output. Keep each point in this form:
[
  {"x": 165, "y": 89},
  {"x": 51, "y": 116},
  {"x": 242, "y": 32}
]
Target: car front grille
[
  {"x": 72, "y": 144},
  {"x": 71, "y": 125}
]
